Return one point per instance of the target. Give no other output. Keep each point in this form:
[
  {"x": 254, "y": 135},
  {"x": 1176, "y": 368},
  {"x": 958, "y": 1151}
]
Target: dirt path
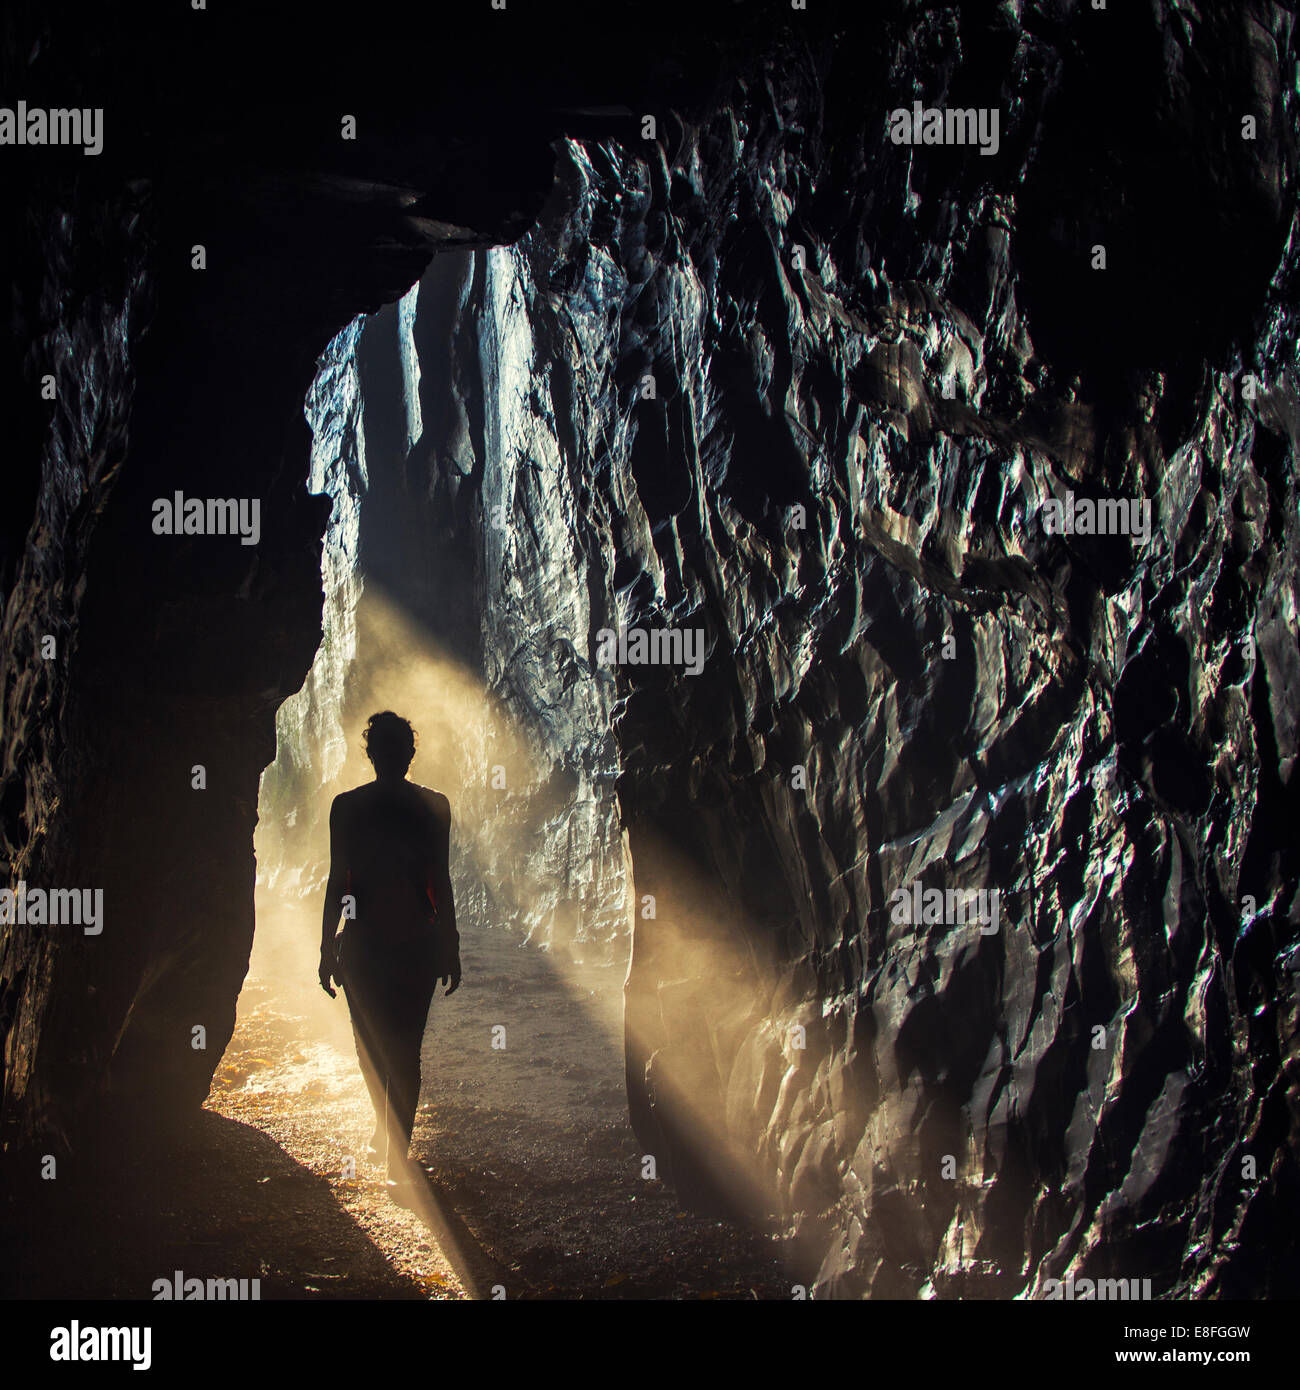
[
  {"x": 307, "y": 1094},
  {"x": 535, "y": 1176}
]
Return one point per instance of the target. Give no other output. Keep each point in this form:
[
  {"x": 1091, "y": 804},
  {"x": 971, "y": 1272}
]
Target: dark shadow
[{"x": 216, "y": 1199}]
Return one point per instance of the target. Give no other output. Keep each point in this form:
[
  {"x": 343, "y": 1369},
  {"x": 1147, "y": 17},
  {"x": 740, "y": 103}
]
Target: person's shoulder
[
  {"x": 435, "y": 800},
  {"x": 344, "y": 800}
]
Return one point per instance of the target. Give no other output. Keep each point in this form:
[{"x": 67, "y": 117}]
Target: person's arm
[
  {"x": 445, "y": 898},
  {"x": 333, "y": 900}
]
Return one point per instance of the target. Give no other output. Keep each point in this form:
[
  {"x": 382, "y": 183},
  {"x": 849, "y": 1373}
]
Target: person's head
[{"x": 390, "y": 744}]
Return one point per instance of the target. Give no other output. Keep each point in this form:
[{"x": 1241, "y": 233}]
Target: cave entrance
[
  {"x": 460, "y": 566},
  {"x": 467, "y": 628}
]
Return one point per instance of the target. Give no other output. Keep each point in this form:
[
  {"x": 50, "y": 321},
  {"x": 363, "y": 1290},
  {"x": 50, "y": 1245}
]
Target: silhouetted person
[{"x": 390, "y": 880}]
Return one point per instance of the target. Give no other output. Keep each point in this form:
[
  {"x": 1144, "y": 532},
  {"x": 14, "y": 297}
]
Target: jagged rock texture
[
  {"x": 843, "y": 463},
  {"x": 1106, "y": 1077}
]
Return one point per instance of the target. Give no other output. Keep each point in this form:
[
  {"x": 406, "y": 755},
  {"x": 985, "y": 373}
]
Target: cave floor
[
  {"x": 217, "y": 1198},
  {"x": 533, "y": 1172},
  {"x": 533, "y": 1179}
]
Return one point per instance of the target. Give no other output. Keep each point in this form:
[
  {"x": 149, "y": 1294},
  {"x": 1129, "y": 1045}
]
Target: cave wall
[
  {"x": 82, "y": 333},
  {"x": 1105, "y": 1085},
  {"x": 311, "y": 744},
  {"x": 844, "y": 464}
]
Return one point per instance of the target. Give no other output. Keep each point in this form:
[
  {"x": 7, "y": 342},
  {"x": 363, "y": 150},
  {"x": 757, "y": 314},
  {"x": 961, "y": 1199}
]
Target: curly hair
[{"x": 390, "y": 743}]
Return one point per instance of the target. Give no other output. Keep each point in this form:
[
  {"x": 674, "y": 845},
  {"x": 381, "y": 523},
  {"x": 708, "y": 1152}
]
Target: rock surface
[{"x": 872, "y": 365}]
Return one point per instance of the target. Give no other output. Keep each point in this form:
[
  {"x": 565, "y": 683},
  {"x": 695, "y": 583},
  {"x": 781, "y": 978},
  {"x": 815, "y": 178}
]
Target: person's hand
[
  {"x": 327, "y": 966},
  {"x": 453, "y": 979}
]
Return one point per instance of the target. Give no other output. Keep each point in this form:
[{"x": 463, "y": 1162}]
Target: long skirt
[{"x": 389, "y": 989}]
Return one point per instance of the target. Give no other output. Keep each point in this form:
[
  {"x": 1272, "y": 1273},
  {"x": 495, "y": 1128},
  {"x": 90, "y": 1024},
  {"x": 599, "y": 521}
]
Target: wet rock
[{"x": 771, "y": 376}]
